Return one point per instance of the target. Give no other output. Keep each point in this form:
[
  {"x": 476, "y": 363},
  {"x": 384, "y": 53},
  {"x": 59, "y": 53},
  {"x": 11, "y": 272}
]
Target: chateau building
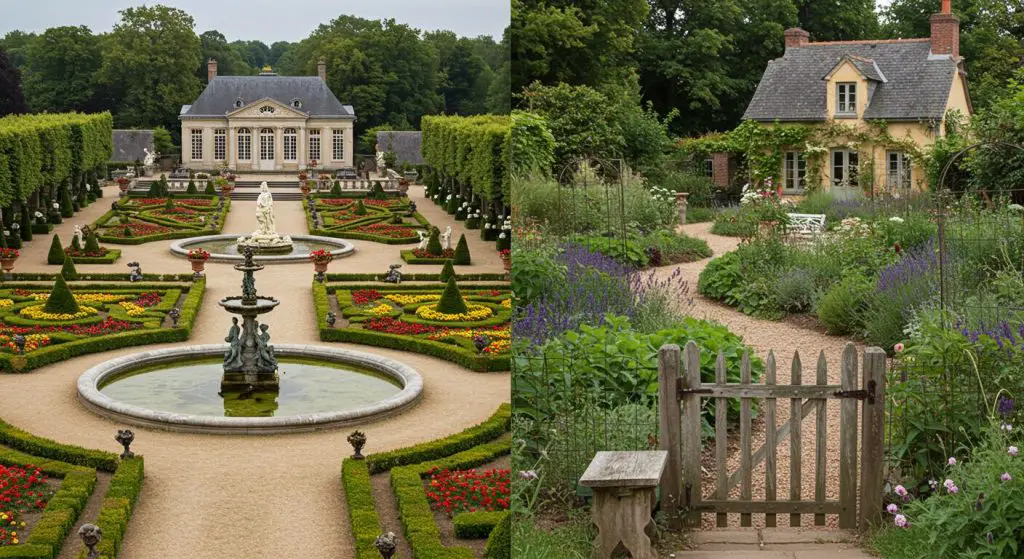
[{"x": 266, "y": 123}]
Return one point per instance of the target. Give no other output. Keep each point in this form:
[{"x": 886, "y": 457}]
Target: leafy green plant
[
  {"x": 61, "y": 301},
  {"x": 56, "y": 254},
  {"x": 535, "y": 271},
  {"x": 462, "y": 256},
  {"x": 794, "y": 290},
  {"x": 841, "y": 309},
  {"x": 628, "y": 251}
]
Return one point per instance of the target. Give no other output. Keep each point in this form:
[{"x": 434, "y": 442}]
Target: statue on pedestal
[
  {"x": 233, "y": 358},
  {"x": 446, "y": 239},
  {"x": 265, "y": 237},
  {"x": 265, "y": 360}
]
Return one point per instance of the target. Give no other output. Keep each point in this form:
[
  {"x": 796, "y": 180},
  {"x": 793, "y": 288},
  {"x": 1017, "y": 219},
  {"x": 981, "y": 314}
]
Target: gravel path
[
  {"x": 784, "y": 339},
  {"x": 228, "y": 497}
]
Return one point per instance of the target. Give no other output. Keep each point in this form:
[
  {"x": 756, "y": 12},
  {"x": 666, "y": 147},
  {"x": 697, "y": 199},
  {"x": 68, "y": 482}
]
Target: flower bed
[
  {"x": 383, "y": 221},
  {"x": 149, "y": 219},
  {"x": 404, "y": 318},
  {"x": 458, "y": 491}
]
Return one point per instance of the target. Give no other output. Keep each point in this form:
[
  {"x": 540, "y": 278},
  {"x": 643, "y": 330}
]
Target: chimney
[
  {"x": 321, "y": 69},
  {"x": 946, "y": 32},
  {"x": 796, "y": 38},
  {"x": 211, "y": 69}
]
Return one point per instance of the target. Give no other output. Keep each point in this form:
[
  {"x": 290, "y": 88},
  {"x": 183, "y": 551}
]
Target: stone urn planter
[
  {"x": 506, "y": 260},
  {"x": 198, "y": 257},
  {"x": 305, "y": 189},
  {"x": 320, "y": 258},
  {"x": 7, "y": 258},
  {"x": 123, "y": 184}
]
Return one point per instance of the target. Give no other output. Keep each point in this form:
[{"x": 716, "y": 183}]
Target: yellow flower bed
[
  {"x": 507, "y": 303},
  {"x": 86, "y": 298},
  {"x": 412, "y": 299},
  {"x": 132, "y": 309},
  {"x": 37, "y": 313},
  {"x": 498, "y": 346},
  {"x": 4, "y": 303},
  {"x": 382, "y": 309},
  {"x": 469, "y": 333},
  {"x": 476, "y": 312}
]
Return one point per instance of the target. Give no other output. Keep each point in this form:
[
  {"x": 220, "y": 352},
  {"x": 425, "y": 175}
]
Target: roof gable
[
  {"x": 911, "y": 84},
  {"x": 255, "y": 110},
  {"x": 224, "y": 92}
]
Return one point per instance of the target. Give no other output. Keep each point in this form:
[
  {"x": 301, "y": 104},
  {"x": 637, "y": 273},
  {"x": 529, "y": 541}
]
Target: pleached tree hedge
[{"x": 471, "y": 153}]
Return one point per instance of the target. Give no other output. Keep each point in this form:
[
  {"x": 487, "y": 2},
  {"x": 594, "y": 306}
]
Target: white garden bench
[
  {"x": 624, "y": 485},
  {"x": 805, "y": 227}
]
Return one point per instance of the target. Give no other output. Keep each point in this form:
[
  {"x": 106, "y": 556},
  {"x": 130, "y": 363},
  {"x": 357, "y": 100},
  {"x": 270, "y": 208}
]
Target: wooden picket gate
[{"x": 680, "y": 434}]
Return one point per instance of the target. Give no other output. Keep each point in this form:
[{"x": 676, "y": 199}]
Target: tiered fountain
[{"x": 249, "y": 363}]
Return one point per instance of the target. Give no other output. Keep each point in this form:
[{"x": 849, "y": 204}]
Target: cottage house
[
  {"x": 904, "y": 87},
  {"x": 267, "y": 123}
]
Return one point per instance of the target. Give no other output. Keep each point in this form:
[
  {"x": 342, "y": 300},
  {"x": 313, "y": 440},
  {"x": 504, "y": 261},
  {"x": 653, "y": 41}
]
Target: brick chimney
[
  {"x": 211, "y": 69},
  {"x": 321, "y": 69},
  {"x": 946, "y": 31},
  {"x": 796, "y": 38}
]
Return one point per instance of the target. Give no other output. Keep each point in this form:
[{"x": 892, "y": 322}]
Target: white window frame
[
  {"x": 197, "y": 144},
  {"x": 219, "y": 144},
  {"x": 846, "y": 99},
  {"x": 898, "y": 170},
  {"x": 314, "y": 145},
  {"x": 244, "y": 144},
  {"x": 337, "y": 145},
  {"x": 290, "y": 145},
  {"x": 794, "y": 171},
  {"x": 267, "y": 144},
  {"x": 849, "y": 166}
]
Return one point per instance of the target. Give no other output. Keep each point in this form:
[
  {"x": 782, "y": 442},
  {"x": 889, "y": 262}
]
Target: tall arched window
[
  {"x": 244, "y": 144},
  {"x": 266, "y": 144},
  {"x": 290, "y": 145},
  {"x": 314, "y": 145}
]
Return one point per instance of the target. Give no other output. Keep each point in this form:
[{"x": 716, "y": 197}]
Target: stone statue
[
  {"x": 91, "y": 535},
  {"x": 136, "y": 272},
  {"x": 150, "y": 157},
  {"x": 393, "y": 275},
  {"x": 265, "y": 236},
  {"x": 446, "y": 239},
  {"x": 248, "y": 287},
  {"x": 265, "y": 360},
  {"x": 233, "y": 358},
  {"x": 79, "y": 235},
  {"x": 424, "y": 239}
]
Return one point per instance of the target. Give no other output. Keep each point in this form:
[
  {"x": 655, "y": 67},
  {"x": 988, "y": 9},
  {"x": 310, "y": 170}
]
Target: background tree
[
  {"x": 11, "y": 99},
  {"x": 149, "y": 62},
  {"x": 255, "y": 53},
  {"x": 214, "y": 45},
  {"x": 465, "y": 76},
  {"x": 15, "y": 43},
  {"x": 841, "y": 20},
  {"x": 61, "y": 70}
]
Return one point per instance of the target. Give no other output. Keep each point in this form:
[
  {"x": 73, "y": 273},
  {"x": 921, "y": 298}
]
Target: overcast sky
[{"x": 266, "y": 20}]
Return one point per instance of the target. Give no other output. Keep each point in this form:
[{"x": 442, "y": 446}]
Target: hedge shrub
[
  {"x": 477, "y": 525},
  {"x": 462, "y": 256},
  {"x": 61, "y": 299},
  {"x": 68, "y": 270},
  {"x": 12, "y": 437},
  {"x": 499, "y": 545},
  {"x": 56, "y": 255},
  {"x": 118, "y": 505}
]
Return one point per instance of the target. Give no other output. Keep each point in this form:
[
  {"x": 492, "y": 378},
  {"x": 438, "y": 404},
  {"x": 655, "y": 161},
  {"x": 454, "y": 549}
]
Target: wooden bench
[
  {"x": 805, "y": 227},
  {"x": 623, "y": 485}
]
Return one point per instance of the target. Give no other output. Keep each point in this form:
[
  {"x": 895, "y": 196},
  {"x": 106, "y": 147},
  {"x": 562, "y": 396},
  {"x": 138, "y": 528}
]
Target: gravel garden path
[
  {"x": 231, "y": 497},
  {"x": 784, "y": 338}
]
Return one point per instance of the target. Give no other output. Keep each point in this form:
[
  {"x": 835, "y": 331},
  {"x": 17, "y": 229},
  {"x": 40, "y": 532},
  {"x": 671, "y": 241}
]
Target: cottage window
[
  {"x": 314, "y": 145},
  {"x": 846, "y": 99},
  {"x": 244, "y": 144},
  {"x": 197, "y": 144},
  {"x": 709, "y": 168},
  {"x": 266, "y": 144},
  {"x": 290, "y": 144},
  {"x": 899, "y": 170},
  {"x": 795, "y": 170},
  {"x": 845, "y": 167},
  {"x": 338, "y": 145},
  {"x": 219, "y": 144}
]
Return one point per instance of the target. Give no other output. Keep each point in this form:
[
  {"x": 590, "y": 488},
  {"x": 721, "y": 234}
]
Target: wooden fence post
[
  {"x": 872, "y": 438},
  {"x": 670, "y": 437},
  {"x": 691, "y": 435},
  {"x": 848, "y": 442}
]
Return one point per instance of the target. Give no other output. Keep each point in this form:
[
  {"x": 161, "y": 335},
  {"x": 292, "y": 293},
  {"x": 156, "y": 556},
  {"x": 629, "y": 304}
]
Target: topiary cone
[
  {"x": 68, "y": 269},
  {"x": 191, "y": 187},
  {"x": 75, "y": 245},
  {"x": 360, "y": 208},
  {"x": 451, "y": 300},
  {"x": 91, "y": 244},
  {"x": 448, "y": 272},
  {"x": 462, "y": 257},
  {"x": 61, "y": 300},
  {"x": 434, "y": 243},
  {"x": 56, "y": 254}
]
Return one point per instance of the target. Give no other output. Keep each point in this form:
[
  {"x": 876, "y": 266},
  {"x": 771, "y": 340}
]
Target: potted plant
[
  {"x": 325, "y": 180},
  {"x": 303, "y": 176},
  {"x": 306, "y": 186},
  {"x": 321, "y": 258},
  {"x": 7, "y": 258},
  {"x": 198, "y": 258},
  {"x": 123, "y": 183},
  {"x": 225, "y": 187},
  {"x": 506, "y": 259}
]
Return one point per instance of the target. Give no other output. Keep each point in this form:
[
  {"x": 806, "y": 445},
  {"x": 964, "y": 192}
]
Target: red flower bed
[
  {"x": 148, "y": 299},
  {"x": 387, "y": 230},
  {"x": 468, "y": 490},
  {"x": 445, "y": 254},
  {"x": 490, "y": 293},
  {"x": 81, "y": 252},
  {"x": 383, "y": 203},
  {"x": 195, "y": 202},
  {"x": 364, "y": 296},
  {"x": 107, "y": 326},
  {"x": 335, "y": 202},
  {"x": 138, "y": 229},
  {"x": 389, "y": 325},
  {"x": 22, "y": 489}
]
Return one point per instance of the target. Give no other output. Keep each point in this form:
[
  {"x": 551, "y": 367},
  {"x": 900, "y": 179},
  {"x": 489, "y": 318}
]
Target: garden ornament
[
  {"x": 331, "y": 319},
  {"x": 175, "y": 314},
  {"x": 19, "y": 341},
  {"x": 125, "y": 438},
  {"x": 385, "y": 545},
  {"x": 393, "y": 275},
  {"x": 358, "y": 440},
  {"x": 446, "y": 239},
  {"x": 91, "y": 535},
  {"x": 424, "y": 238}
]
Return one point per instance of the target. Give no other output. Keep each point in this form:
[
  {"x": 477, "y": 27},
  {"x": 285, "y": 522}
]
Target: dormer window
[
  {"x": 239, "y": 103},
  {"x": 846, "y": 99},
  {"x": 297, "y": 103},
  {"x": 266, "y": 110}
]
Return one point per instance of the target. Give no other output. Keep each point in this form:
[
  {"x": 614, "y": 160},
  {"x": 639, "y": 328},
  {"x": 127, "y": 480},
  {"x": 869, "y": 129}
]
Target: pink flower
[
  {"x": 954, "y": 490},
  {"x": 948, "y": 484},
  {"x": 901, "y": 491},
  {"x": 1012, "y": 451},
  {"x": 952, "y": 461},
  {"x": 892, "y": 508},
  {"x": 901, "y": 521},
  {"x": 898, "y": 348},
  {"x": 1006, "y": 476}
]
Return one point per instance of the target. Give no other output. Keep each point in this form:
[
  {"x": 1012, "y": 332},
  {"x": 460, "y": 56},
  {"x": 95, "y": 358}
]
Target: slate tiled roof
[
  {"x": 406, "y": 146},
  {"x": 221, "y": 93},
  {"x": 128, "y": 145},
  {"x": 917, "y": 85}
]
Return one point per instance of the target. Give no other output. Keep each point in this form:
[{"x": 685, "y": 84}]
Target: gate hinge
[{"x": 868, "y": 394}]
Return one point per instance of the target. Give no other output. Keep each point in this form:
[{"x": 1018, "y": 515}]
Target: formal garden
[
  {"x": 373, "y": 216},
  {"x": 160, "y": 216}
]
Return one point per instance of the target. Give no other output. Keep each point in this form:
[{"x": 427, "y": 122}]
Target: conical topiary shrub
[
  {"x": 462, "y": 257},
  {"x": 448, "y": 272},
  {"x": 91, "y": 244},
  {"x": 68, "y": 269},
  {"x": 56, "y": 254},
  {"x": 451, "y": 300},
  {"x": 434, "y": 243},
  {"x": 336, "y": 188},
  {"x": 75, "y": 245},
  {"x": 26, "y": 227},
  {"x": 360, "y": 208},
  {"x": 210, "y": 189},
  {"x": 169, "y": 204},
  {"x": 67, "y": 208},
  {"x": 127, "y": 232},
  {"x": 61, "y": 300},
  {"x": 191, "y": 187}
]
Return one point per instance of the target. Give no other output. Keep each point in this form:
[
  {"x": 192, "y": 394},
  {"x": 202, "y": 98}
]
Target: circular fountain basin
[
  {"x": 178, "y": 389},
  {"x": 224, "y": 248}
]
